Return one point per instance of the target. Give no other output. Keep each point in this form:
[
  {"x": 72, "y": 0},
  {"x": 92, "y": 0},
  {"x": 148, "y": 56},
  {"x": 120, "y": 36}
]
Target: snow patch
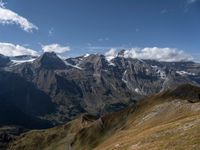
[
  {"x": 86, "y": 55},
  {"x": 124, "y": 81},
  {"x": 16, "y": 62},
  {"x": 74, "y": 66},
  {"x": 182, "y": 73},
  {"x": 154, "y": 67},
  {"x": 160, "y": 72},
  {"x": 111, "y": 64},
  {"x": 123, "y": 77},
  {"x": 137, "y": 90},
  {"x": 142, "y": 61}
]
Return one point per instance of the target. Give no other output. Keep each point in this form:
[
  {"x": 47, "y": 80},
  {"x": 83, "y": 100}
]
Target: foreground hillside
[{"x": 168, "y": 120}]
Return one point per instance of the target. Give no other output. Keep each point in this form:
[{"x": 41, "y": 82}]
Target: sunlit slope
[
  {"x": 168, "y": 120},
  {"x": 169, "y": 123}
]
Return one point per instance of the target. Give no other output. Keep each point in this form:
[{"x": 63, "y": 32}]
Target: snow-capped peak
[{"x": 86, "y": 55}]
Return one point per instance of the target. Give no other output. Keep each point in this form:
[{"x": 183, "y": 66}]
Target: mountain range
[
  {"x": 58, "y": 90},
  {"x": 45, "y": 91}
]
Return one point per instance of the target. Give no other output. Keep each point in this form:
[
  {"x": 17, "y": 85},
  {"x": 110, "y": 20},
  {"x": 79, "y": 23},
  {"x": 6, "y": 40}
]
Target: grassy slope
[
  {"x": 163, "y": 121},
  {"x": 50, "y": 139},
  {"x": 169, "y": 125}
]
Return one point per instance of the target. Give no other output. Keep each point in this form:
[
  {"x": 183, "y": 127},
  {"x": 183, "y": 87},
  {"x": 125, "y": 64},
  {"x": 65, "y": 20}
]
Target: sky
[{"x": 146, "y": 28}]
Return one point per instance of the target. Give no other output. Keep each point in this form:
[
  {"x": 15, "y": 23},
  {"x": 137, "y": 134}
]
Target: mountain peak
[
  {"x": 49, "y": 54},
  {"x": 49, "y": 60},
  {"x": 4, "y": 60},
  {"x": 121, "y": 53}
]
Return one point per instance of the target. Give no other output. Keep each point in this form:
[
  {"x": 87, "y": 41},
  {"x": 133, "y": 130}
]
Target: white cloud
[
  {"x": 112, "y": 53},
  {"x": 9, "y": 49},
  {"x": 9, "y": 17},
  {"x": 57, "y": 48},
  {"x": 160, "y": 54},
  {"x": 154, "y": 53}
]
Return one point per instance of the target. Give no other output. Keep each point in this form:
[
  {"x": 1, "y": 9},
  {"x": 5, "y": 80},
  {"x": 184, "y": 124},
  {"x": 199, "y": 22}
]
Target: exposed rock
[{"x": 90, "y": 84}]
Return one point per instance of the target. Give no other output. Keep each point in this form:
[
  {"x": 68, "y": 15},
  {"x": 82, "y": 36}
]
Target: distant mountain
[
  {"x": 4, "y": 61},
  {"x": 159, "y": 121},
  {"x": 50, "y": 61},
  {"x": 23, "y": 57},
  {"x": 59, "y": 90}
]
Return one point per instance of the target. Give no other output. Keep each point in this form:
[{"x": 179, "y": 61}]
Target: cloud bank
[
  {"x": 112, "y": 53},
  {"x": 9, "y": 49},
  {"x": 153, "y": 53},
  {"x": 57, "y": 48},
  {"x": 9, "y": 17}
]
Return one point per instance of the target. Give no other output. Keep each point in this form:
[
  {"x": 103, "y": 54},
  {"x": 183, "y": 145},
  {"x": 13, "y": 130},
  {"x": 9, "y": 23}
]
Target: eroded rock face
[
  {"x": 49, "y": 61},
  {"x": 92, "y": 84}
]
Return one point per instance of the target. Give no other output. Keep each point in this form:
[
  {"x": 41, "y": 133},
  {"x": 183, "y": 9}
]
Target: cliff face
[{"x": 59, "y": 90}]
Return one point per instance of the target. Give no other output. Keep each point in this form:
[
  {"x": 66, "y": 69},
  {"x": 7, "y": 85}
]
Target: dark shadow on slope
[
  {"x": 11, "y": 115},
  {"x": 21, "y": 103},
  {"x": 186, "y": 91},
  {"x": 24, "y": 95}
]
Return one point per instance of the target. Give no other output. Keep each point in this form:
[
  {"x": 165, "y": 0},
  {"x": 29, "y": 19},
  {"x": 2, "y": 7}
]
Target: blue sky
[{"x": 89, "y": 26}]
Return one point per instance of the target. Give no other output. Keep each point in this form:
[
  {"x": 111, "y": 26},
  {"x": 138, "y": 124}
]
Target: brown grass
[{"x": 162, "y": 121}]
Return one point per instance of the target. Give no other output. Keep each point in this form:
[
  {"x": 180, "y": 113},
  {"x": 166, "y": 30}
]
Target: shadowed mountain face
[
  {"x": 4, "y": 61},
  {"x": 160, "y": 121},
  {"x": 59, "y": 90},
  {"x": 12, "y": 115},
  {"x": 20, "y": 100},
  {"x": 24, "y": 95},
  {"x": 50, "y": 61}
]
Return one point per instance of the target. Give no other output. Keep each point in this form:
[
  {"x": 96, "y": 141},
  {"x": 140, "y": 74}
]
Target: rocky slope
[
  {"x": 168, "y": 120},
  {"x": 58, "y": 90}
]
